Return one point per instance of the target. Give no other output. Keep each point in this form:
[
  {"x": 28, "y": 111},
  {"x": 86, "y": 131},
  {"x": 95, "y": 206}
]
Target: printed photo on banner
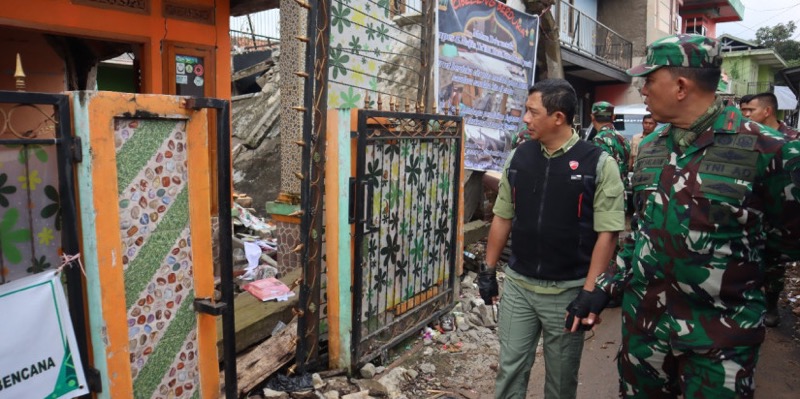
[{"x": 485, "y": 61}]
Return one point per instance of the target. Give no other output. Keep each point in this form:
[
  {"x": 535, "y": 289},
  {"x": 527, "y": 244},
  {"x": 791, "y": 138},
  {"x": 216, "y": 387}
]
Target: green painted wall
[
  {"x": 740, "y": 70},
  {"x": 116, "y": 78}
]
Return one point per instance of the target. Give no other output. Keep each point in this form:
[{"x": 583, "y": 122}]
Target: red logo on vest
[{"x": 573, "y": 165}]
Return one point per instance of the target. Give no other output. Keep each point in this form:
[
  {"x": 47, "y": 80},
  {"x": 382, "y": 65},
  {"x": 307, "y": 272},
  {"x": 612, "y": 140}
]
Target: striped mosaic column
[{"x": 150, "y": 190}]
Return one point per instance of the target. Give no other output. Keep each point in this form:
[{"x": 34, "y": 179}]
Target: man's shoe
[{"x": 772, "y": 318}]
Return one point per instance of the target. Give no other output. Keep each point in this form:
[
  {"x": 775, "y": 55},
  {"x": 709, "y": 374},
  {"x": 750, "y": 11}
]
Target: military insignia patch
[{"x": 573, "y": 165}]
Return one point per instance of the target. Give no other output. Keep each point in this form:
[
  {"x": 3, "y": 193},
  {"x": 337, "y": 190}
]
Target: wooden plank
[
  {"x": 256, "y": 366},
  {"x": 416, "y": 300},
  {"x": 255, "y": 320}
]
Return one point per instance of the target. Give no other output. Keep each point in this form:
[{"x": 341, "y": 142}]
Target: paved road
[{"x": 778, "y": 375}]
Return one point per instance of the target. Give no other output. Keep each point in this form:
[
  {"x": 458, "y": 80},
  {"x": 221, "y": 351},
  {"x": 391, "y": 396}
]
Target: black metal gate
[
  {"x": 406, "y": 213},
  {"x": 38, "y": 220}
]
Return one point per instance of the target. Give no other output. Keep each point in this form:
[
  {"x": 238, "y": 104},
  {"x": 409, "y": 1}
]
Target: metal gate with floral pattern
[
  {"x": 38, "y": 219},
  {"x": 406, "y": 205}
]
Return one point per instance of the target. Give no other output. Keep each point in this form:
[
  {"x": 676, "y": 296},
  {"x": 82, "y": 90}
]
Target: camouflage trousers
[{"x": 650, "y": 368}]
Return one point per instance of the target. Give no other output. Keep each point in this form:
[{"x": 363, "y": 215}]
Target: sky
[{"x": 758, "y": 13}]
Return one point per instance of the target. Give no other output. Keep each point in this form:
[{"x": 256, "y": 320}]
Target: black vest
[{"x": 552, "y": 232}]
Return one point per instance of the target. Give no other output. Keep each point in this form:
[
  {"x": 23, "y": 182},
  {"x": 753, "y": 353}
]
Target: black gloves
[
  {"x": 586, "y": 302},
  {"x": 487, "y": 284}
]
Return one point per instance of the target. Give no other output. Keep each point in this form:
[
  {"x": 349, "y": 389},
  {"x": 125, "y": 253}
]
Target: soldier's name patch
[
  {"x": 653, "y": 151},
  {"x": 724, "y": 189},
  {"x": 740, "y": 141},
  {"x": 643, "y": 178},
  {"x": 652, "y": 162},
  {"x": 732, "y": 156},
  {"x": 740, "y": 172}
]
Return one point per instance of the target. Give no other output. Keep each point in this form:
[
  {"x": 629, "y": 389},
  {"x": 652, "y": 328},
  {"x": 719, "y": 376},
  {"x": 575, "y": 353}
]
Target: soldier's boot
[{"x": 772, "y": 318}]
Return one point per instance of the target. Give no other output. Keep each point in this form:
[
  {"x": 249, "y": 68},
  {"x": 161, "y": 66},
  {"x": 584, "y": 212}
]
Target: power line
[
  {"x": 763, "y": 22},
  {"x": 774, "y": 9}
]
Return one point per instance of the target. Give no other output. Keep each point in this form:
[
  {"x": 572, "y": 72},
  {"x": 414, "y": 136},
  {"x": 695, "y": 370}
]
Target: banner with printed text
[
  {"x": 38, "y": 352},
  {"x": 485, "y": 61}
]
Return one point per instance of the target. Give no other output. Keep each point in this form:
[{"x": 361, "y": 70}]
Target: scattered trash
[{"x": 269, "y": 289}]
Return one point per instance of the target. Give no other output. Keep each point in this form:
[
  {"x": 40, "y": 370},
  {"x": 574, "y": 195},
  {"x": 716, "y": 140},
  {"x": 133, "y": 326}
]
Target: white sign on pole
[{"x": 38, "y": 352}]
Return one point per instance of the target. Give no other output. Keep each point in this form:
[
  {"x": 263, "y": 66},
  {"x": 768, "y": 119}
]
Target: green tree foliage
[{"x": 779, "y": 38}]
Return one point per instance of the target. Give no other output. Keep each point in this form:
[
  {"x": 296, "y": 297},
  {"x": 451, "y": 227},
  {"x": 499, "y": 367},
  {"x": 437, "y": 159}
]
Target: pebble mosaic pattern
[
  {"x": 293, "y": 55},
  {"x": 182, "y": 379},
  {"x": 157, "y": 262},
  {"x": 288, "y": 235}
]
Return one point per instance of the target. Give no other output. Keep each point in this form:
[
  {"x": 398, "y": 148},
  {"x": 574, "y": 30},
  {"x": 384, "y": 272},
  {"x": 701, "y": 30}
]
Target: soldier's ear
[{"x": 683, "y": 86}]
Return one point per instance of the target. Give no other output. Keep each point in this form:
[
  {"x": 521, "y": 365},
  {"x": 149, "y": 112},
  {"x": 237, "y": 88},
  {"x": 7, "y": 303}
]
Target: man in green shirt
[{"x": 563, "y": 200}]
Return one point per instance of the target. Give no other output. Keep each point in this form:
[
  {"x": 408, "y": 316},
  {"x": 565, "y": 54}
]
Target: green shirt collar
[{"x": 564, "y": 148}]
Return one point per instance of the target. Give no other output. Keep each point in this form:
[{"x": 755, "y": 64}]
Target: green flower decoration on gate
[
  {"x": 54, "y": 208},
  {"x": 339, "y": 17},
  {"x": 406, "y": 150},
  {"x": 445, "y": 183},
  {"x": 5, "y": 190},
  {"x": 393, "y": 196},
  {"x": 416, "y": 251},
  {"x": 10, "y": 237},
  {"x": 380, "y": 277},
  {"x": 338, "y": 60},
  {"x": 38, "y": 152},
  {"x": 390, "y": 250},
  {"x": 38, "y": 265},
  {"x": 355, "y": 45},
  {"x": 413, "y": 170},
  {"x": 383, "y": 33},
  {"x": 350, "y": 98},
  {"x": 384, "y": 4}
]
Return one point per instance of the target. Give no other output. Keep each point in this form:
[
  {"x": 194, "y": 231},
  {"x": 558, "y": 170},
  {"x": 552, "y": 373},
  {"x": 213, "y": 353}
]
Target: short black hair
[
  {"x": 557, "y": 96},
  {"x": 747, "y": 98},
  {"x": 648, "y": 116},
  {"x": 707, "y": 79},
  {"x": 767, "y": 99}
]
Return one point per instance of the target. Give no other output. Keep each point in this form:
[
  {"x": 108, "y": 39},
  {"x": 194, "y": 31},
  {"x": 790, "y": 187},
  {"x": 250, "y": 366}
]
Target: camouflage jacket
[
  {"x": 612, "y": 142},
  {"x": 706, "y": 221},
  {"x": 788, "y": 132}
]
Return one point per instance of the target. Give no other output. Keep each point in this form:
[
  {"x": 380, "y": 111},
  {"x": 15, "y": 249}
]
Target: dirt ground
[{"x": 469, "y": 371}]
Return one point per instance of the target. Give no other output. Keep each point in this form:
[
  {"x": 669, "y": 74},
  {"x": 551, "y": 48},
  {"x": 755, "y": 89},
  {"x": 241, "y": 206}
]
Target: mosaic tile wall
[
  {"x": 154, "y": 222},
  {"x": 288, "y": 235},
  {"x": 293, "y": 53}
]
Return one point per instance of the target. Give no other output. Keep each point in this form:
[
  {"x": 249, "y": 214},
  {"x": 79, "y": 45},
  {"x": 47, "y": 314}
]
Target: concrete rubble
[{"x": 468, "y": 329}]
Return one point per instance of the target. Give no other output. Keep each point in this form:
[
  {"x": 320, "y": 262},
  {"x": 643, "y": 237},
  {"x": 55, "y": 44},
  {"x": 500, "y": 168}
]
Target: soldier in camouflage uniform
[
  {"x": 609, "y": 139},
  {"x": 761, "y": 108},
  {"x": 615, "y": 144},
  {"x": 715, "y": 196}
]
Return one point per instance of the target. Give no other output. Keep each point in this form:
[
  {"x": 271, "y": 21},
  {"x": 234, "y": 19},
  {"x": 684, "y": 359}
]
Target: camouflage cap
[
  {"x": 690, "y": 51},
  {"x": 602, "y": 108}
]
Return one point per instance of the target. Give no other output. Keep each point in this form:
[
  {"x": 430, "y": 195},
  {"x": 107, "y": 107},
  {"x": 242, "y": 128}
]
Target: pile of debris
[
  {"x": 791, "y": 298},
  {"x": 255, "y": 248},
  {"x": 468, "y": 330}
]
